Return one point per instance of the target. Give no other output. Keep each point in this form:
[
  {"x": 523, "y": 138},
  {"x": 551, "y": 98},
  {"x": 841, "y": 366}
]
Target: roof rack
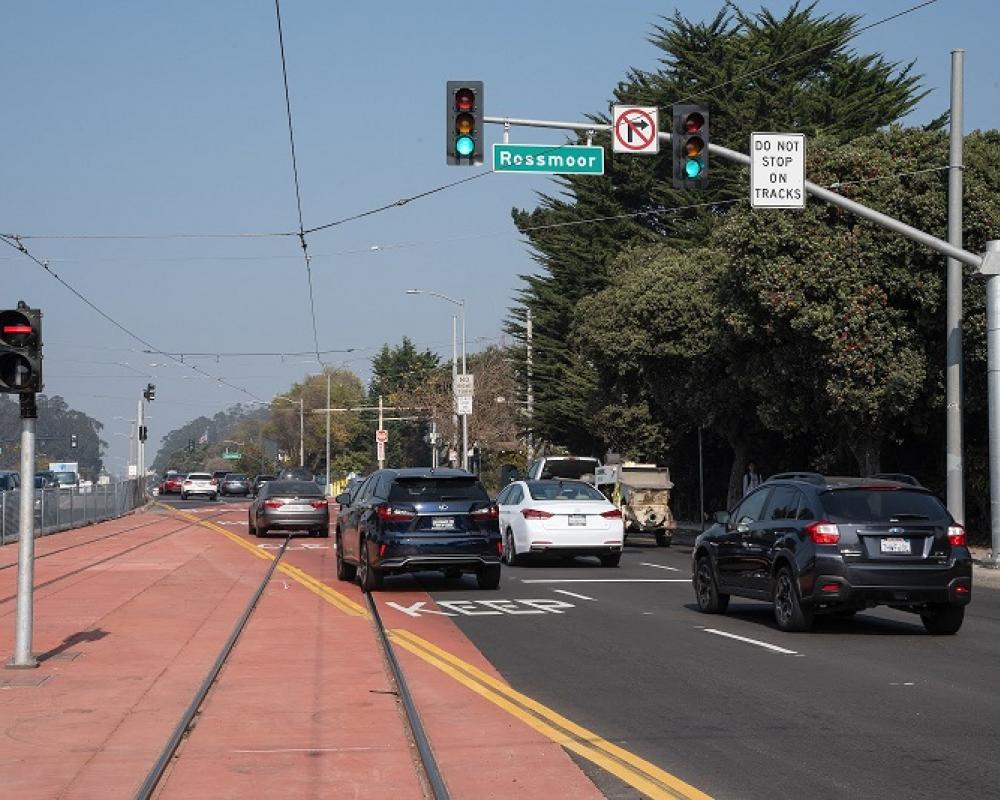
[
  {"x": 810, "y": 477},
  {"x": 898, "y": 477}
]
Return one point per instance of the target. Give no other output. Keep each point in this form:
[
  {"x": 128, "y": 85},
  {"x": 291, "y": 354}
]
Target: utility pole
[
  {"x": 23, "y": 657},
  {"x": 434, "y": 450},
  {"x": 327, "y": 371},
  {"x": 379, "y": 447},
  {"x": 993, "y": 398},
  {"x": 465, "y": 417},
  {"x": 302, "y": 431},
  {"x": 531, "y": 394},
  {"x": 954, "y": 466},
  {"x": 140, "y": 447},
  {"x": 454, "y": 372}
]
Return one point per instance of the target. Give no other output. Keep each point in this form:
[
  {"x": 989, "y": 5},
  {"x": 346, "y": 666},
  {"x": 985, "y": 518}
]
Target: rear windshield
[
  {"x": 875, "y": 505},
  {"x": 264, "y": 478},
  {"x": 563, "y": 490},
  {"x": 199, "y": 476},
  {"x": 66, "y": 477},
  {"x": 236, "y": 476},
  {"x": 299, "y": 488},
  {"x": 416, "y": 489},
  {"x": 569, "y": 468}
]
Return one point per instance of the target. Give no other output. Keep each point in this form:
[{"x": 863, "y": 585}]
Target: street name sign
[
  {"x": 778, "y": 170},
  {"x": 636, "y": 129},
  {"x": 549, "y": 159}
]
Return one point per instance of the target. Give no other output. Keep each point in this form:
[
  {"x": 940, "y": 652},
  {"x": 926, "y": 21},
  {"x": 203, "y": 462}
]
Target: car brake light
[
  {"x": 956, "y": 536},
  {"x": 823, "y": 532},
  {"x": 273, "y": 503},
  {"x": 490, "y": 512},
  {"x": 830, "y": 588},
  {"x": 535, "y": 513},
  {"x": 381, "y": 550},
  {"x": 614, "y": 513},
  {"x": 499, "y": 547},
  {"x": 387, "y": 513},
  {"x": 960, "y": 589},
  {"x": 318, "y": 504}
]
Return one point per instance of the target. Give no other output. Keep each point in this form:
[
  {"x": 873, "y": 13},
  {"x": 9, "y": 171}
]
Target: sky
[{"x": 149, "y": 120}]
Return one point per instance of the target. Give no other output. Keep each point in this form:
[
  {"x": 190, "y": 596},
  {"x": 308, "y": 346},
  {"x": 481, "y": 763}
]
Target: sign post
[{"x": 778, "y": 170}]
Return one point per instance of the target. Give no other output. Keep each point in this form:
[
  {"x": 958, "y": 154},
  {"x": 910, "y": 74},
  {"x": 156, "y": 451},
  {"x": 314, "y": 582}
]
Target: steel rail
[
  {"x": 427, "y": 760},
  {"x": 156, "y": 773}
]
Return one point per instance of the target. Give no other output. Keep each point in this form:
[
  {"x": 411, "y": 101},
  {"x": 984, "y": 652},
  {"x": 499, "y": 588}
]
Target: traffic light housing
[
  {"x": 190, "y": 445},
  {"x": 150, "y": 393},
  {"x": 143, "y": 431},
  {"x": 21, "y": 350},
  {"x": 689, "y": 137},
  {"x": 72, "y": 440},
  {"x": 465, "y": 141}
]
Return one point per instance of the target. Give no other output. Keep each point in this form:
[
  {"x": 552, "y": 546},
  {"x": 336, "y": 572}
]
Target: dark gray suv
[{"x": 812, "y": 544}]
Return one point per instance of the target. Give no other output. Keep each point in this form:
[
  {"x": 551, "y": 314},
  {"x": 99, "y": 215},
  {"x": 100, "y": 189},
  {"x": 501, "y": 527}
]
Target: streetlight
[{"x": 465, "y": 418}]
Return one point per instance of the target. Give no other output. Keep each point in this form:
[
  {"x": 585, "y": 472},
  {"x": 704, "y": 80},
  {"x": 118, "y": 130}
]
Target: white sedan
[{"x": 563, "y": 517}]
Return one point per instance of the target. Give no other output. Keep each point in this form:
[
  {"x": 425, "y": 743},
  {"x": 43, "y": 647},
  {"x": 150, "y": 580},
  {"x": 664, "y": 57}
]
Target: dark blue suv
[
  {"x": 406, "y": 520},
  {"x": 812, "y": 544}
]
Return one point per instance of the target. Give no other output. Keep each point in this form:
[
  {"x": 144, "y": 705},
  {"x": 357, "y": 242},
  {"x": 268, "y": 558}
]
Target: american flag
[{"x": 204, "y": 437}]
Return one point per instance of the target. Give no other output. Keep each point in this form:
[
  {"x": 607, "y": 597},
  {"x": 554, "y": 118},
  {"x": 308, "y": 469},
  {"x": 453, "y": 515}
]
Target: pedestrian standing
[{"x": 751, "y": 478}]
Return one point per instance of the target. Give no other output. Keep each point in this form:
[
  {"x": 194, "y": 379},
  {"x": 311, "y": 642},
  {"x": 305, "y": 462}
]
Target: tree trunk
[
  {"x": 740, "y": 451},
  {"x": 867, "y": 451}
]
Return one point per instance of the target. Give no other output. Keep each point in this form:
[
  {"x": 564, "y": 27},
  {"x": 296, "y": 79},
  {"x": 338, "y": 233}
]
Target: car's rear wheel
[
  {"x": 488, "y": 576},
  {"x": 788, "y": 610},
  {"x": 250, "y": 525},
  {"x": 345, "y": 571},
  {"x": 368, "y": 576},
  {"x": 943, "y": 619},
  {"x": 706, "y": 590},
  {"x": 261, "y": 533},
  {"x": 323, "y": 533},
  {"x": 611, "y": 559},
  {"x": 184, "y": 496},
  {"x": 510, "y": 556},
  {"x": 662, "y": 539}
]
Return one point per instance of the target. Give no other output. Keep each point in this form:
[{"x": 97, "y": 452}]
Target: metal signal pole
[
  {"x": 23, "y": 626},
  {"x": 954, "y": 466}
]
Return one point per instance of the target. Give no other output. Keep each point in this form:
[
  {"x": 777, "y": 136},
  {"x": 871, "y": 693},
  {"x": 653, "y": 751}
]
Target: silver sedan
[{"x": 290, "y": 506}]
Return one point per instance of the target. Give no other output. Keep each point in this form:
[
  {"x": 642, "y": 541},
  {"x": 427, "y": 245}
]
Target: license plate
[
  {"x": 442, "y": 523},
  {"x": 577, "y": 519},
  {"x": 296, "y": 508},
  {"x": 895, "y": 546}
]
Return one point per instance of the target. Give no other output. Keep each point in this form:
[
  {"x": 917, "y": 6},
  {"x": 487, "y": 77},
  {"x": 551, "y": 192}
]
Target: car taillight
[
  {"x": 387, "y": 513},
  {"x": 318, "y": 504},
  {"x": 214, "y": 482},
  {"x": 535, "y": 513},
  {"x": 823, "y": 532},
  {"x": 956, "y": 536},
  {"x": 614, "y": 513},
  {"x": 273, "y": 503},
  {"x": 490, "y": 512}
]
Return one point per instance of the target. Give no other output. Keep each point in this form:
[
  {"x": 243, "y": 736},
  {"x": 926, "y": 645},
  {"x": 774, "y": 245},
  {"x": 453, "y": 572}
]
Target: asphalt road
[{"x": 870, "y": 706}]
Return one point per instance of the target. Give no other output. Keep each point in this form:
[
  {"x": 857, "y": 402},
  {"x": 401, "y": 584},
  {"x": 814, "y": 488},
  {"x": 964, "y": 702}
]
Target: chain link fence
[{"x": 59, "y": 509}]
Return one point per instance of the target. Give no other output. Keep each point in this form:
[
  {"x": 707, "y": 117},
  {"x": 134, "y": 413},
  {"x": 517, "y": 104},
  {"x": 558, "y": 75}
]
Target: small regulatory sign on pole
[
  {"x": 381, "y": 436},
  {"x": 778, "y": 170},
  {"x": 636, "y": 129}
]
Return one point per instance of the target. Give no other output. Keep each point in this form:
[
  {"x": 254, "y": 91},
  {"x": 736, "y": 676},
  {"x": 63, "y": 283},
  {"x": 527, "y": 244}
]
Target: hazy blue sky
[{"x": 158, "y": 118}]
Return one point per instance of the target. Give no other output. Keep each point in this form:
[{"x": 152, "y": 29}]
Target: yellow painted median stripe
[{"x": 633, "y": 770}]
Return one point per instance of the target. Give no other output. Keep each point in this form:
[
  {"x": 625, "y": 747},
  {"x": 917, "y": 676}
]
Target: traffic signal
[
  {"x": 690, "y": 140},
  {"x": 150, "y": 393},
  {"x": 21, "y": 350},
  {"x": 142, "y": 433},
  {"x": 72, "y": 440},
  {"x": 464, "y": 134},
  {"x": 190, "y": 445}
]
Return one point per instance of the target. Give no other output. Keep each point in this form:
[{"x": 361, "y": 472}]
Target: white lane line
[
  {"x": 605, "y": 580},
  {"x": 573, "y": 594},
  {"x": 658, "y": 566},
  {"x": 757, "y": 642}
]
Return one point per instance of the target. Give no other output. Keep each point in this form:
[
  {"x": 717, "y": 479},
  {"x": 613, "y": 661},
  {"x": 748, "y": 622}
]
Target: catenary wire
[
  {"x": 295, "y": 175},
  {"x": 19, "y": 245}
]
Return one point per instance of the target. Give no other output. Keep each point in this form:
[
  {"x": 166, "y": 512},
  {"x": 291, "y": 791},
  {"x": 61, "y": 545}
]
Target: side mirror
[
  {"x": 343, "y": 499},
  {"x": 722, "y": 517}
]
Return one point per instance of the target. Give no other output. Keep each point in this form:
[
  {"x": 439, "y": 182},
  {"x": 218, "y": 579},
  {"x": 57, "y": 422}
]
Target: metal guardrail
[{"x": 60, "y": 509}]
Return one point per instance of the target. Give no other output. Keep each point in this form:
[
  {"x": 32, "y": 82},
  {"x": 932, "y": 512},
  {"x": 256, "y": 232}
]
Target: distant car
[
  {"x": 568, "y": 518},
  {"x": 235, "y": 483},
  {"x": 49, "y": 480},
  {"x": 219, "y": 474},
  {"x": 296, "y": 474},
  {"x": 68, "y": 480},
  {"x": 200, "y": 483},
  {"x": 9, "y": 481},
  {"x": 258, "y": 481},
  {"x": 171, "y": 484},
  {"x": 811, "y": 544},
  {"x": 406, "y": 520},
  {"x": 289, "y": 506},
  {"x": 571, "y": 467}
]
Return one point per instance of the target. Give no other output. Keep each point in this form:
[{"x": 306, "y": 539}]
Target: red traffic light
[
  {"x": 694, "y": 122},
  {"x": 465, "y": 99},
  {"x": 17, "y": 329}
]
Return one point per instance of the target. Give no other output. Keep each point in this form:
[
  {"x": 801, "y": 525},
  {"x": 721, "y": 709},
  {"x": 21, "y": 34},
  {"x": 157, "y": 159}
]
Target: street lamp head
[{"x": 414, "y": 291}]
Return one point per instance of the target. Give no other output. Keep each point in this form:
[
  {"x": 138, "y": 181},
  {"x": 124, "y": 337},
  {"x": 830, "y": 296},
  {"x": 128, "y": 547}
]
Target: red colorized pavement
[{"x": 127, "y": 625}]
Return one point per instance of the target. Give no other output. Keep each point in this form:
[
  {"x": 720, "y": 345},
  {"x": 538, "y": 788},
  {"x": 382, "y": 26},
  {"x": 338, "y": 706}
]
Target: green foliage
[
  {"x": 174, "y": 454},
  {"x": 397, "y": 373},
  {"x": 57, "y": 422}
]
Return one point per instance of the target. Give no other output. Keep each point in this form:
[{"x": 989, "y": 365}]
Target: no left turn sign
[{"x": 636, "y": 129}]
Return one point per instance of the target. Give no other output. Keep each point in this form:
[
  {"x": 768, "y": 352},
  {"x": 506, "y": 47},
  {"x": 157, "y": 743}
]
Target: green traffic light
[
  {"x": 464, "y": 145},
  {"x": 692, "y": 167}
]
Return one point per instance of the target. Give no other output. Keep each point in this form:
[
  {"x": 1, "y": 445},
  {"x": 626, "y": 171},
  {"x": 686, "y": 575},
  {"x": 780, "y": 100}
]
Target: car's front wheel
[
  {"x": 706, "y": 590},
  {"x": 488, "y": 576},
  {"x": 345, "y": 571},
  {"x": 943, "y": 619},
  {"x": 662, "y": 539},
  {"x": 789, "y": 612}
]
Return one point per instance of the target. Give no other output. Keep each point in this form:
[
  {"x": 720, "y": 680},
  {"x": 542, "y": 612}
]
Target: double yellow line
[{"x": 649, "y": 779}]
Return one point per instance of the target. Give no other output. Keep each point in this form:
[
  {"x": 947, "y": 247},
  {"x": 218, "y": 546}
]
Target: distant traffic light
[
  {"x": 142, "y": 433},
  {"x": 690, "y": 140},
  {"x": 72, "y": 440},
  {"x": 190, "y": 445},
  {"x": 150, "y": 393},
  {"x": 21, "y": 350},
  {"x": 464, "y": 134}
]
